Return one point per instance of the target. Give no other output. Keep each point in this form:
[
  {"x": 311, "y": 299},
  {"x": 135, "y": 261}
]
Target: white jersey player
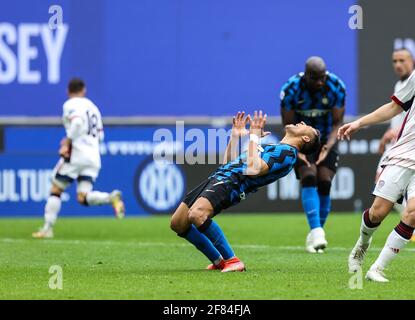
[
  {"x": 398, "y": 176},
  {"x": 403, "y": 65},
  {"x": 80, "y": 158}
]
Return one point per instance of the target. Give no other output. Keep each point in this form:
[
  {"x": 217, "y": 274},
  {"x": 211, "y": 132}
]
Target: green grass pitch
[{"x": 140, "y": 258}]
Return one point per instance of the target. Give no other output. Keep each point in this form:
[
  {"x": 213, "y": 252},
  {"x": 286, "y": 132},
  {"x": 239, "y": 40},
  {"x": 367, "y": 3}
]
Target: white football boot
[
  {"x": 117, "y": 204},
  {"x": 43, "y": 234},
  {"x": 309, "y": 244},
  {"x": 319, "y": 239},
  {"x": 376, "y": 274},
  {"x": 357, "y": 255}
]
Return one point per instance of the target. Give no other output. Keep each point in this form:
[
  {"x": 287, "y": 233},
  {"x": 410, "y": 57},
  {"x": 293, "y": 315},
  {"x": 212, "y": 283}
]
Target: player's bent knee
[
  {"x": 174, "y": 225},
  {"x": 378, "y": 212},
  {"x": 56, "y": 191},
  {"x": 197, "y": 216},
  {"x": 309, "y": 181},
  {"x": 177, "y": 226},
  {"x": 409, "y": 218},
  {"x": 409, "y": 214},
  {"x": 324, "y": 187},
  {"x": 82, "y": 199}
]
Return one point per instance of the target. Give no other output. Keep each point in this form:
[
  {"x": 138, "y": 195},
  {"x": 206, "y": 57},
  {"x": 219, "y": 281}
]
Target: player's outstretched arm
[
  {"x": 384, "y": 113},
  {"x": 238, "y": 130}
]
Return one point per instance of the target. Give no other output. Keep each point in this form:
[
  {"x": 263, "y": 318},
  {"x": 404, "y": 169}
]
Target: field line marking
[{"x": 165, "y": 244}]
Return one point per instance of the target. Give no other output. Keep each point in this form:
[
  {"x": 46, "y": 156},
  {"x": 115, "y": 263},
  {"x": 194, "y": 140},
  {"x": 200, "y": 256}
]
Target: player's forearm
[
  {"x": 232, "y": 150},
  {"x": 384, "y": 113},
  {"x": 333, "y": 136},
  {"x": 254, "y": 160}
]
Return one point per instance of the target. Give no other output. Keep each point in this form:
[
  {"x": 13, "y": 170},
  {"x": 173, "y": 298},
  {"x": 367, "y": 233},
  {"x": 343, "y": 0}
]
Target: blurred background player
[
  {"x": 403, "y": 65},
  {"x": 80, "y": 158},
  {"x": 239, "y": 175},
  {"x": 316, "y": 97},
  {"x": 398, "y": 177}
]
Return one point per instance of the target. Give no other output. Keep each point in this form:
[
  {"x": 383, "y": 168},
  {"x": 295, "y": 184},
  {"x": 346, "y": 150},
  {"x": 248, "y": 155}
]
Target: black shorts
[
  {"x": 219, "y": 194},
  {"x": 331, "y": 162}
]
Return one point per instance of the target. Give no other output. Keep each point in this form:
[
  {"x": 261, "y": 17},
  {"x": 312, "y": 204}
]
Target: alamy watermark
[
  {"x": 56, "y": 20},
  {"x": 56, "y": 280},
  {"x": 189, "y": 145},
  {"x": 356, "y": 280},
  {"x": 197, "y": 146},
  {"x": 356, "y": 20}
]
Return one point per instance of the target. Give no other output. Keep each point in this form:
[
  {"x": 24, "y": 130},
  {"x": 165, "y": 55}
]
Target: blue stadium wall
[
  {"x": 161, "y": 58},
  {"x": 169, "y": 57}
]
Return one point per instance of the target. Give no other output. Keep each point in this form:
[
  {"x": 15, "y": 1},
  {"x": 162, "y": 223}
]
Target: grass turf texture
[{"x": 140, "y": 258}]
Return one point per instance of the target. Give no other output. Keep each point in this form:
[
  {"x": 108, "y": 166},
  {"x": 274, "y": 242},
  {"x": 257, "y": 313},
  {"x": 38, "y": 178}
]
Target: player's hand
[
  {"x": 346, "y": 130},
  {"x": 390, "y": 136},
  {"x": 65, "y": 148},
  {"x": 323, "y": 154},
  {"x": 303, "y": 158},
  {"x": 382, "y": 146},
  {"x": 257, "y": 124},
  {"x": 239, "y": 125}
]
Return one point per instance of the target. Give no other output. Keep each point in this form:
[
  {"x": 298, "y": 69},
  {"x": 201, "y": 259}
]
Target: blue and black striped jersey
[
  {"x": 314, "y": 108},
  {"x": 280, "y": 159}
]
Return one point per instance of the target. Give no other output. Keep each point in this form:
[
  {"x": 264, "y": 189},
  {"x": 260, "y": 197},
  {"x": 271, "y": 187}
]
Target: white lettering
[
  {"x": 8, "y": 65},
  {"x": 289, "y": 187},
  {"x": 343, "y": 184},
  {"x": 26, "y": 53},
  {"x": 25, "y": 185},
  {"x": 53, "y": 50},
  {"x": 18, "y": 65}
]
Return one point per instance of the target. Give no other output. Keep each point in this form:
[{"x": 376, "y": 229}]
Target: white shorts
[
  {"x": 66, "y": 173},
  {"x": 394, "y": 182},
  {"x": 379, "y": 169}
]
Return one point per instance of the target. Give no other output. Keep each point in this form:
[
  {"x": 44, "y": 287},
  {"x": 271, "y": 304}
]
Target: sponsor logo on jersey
[{"x": 313, "y": 113}]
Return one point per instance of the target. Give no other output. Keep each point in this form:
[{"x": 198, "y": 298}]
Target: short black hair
[
  {"x": 76, "y": 85},
  {"x": 312, "y": 146}
]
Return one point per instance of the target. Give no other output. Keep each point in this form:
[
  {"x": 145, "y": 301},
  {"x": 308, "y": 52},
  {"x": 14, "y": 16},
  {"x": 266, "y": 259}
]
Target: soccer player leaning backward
[
  {"x": 397, "y": 177},
  {"x": 240, "y": 174}
]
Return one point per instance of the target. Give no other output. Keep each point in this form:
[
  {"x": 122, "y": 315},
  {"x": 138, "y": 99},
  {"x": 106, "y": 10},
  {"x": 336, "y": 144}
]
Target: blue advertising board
[
  {"x": 155, "y": 187},
  {"x": 168, "y": 57},
  {"x": 30, "y": 154},
  {"x": 148, "y": 186}
]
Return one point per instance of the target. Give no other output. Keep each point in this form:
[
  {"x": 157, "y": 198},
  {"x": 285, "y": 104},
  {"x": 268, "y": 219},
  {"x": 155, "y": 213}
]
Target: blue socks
[
  {"x": 215, "y": 234},
  {"x": 325, "y": 206},
  {"x": 311, "y": 205},
  {"x": 201, "y": 242}
]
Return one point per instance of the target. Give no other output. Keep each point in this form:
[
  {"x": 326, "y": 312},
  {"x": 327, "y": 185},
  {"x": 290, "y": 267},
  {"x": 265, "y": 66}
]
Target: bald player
[{"x": 316, "y": 97}]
